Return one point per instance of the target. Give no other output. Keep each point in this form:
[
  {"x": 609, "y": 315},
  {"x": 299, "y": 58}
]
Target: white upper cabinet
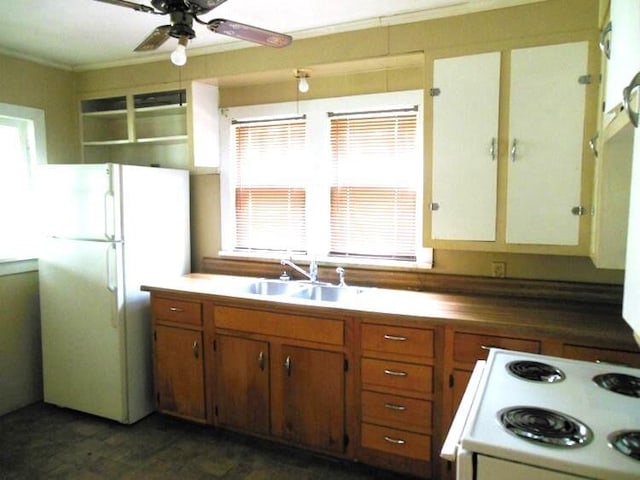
[
  {"x": 465, "y": 151},
  {"x": 624, "y": 60},
  {"x": 546, "y": 130},
  {"x": 507, "y": 165}
]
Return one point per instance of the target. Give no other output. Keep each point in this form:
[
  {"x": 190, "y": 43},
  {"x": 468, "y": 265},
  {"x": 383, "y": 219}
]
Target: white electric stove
[{"x": 527, "y": 416}]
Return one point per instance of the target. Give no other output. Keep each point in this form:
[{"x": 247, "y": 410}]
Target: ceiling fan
[{"x": 182, "y": 13}]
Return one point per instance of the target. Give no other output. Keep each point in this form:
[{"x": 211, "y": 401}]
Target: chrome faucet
[
  {"x": 340, "y": 272},
  {"x": 313, "y": 268}
]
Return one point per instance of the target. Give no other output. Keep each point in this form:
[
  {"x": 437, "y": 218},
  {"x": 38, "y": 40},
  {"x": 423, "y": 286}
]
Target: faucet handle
[{"x": 340, "y": 272}]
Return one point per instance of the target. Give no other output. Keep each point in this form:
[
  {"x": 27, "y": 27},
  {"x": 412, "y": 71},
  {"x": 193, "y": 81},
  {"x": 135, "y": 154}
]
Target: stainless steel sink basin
[
  {"x": 303, "y": 290},
  {"x": 328, "y": 293},
  {"x": 274, "y": 287}
]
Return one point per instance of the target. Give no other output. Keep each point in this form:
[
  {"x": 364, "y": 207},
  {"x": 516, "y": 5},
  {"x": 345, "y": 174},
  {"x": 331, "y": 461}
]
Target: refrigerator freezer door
[
  {"x": 84, "y": 357},
  {"x": 80, "y": 201}
]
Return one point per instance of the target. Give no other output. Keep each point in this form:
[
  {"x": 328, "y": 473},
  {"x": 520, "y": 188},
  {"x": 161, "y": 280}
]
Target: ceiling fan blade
[
  {"x": 249, "y": 33},
  {"x": 155, "y": 39},
  {"x": 135, "y": 6}
]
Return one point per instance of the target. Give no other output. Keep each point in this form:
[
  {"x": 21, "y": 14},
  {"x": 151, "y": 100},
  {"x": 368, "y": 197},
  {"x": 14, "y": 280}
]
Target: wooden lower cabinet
[
  {"x": 242, "y": 383},
  {"x": 274, "y": 377},
  {"x": 178, "y": 357},
  {"x": 313, "y": 398},
  {"x": 377, "y": 389},
  {"x": 604, "y": 355},
  {"x": 396, "y": 392},
  {"x": 179, "y": 372}
]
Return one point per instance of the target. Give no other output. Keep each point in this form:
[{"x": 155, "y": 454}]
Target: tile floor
[{"x": 45, "y": 442}]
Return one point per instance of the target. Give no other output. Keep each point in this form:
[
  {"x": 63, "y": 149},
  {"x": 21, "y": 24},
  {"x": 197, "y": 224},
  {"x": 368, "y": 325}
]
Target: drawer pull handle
[
  {"x": 176, "y": 309},
  {"x": 393, "y": 406},
  {"x": 396, "y": 338},
  {"x": 395, "y": 373},
  {"x": 261, "y": 360},
  {"x": 395, "y": 441}
]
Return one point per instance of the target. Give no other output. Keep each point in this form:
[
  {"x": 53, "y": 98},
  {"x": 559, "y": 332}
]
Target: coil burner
[
  {"x": 535, "y": 371},
  {"x": 626, "y": 442},
  {"x": 619, "y": 383},
  {"x": 545, "y": 426}
]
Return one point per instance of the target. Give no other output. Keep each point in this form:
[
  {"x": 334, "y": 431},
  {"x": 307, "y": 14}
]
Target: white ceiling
[{"x": 86, "y": 34}]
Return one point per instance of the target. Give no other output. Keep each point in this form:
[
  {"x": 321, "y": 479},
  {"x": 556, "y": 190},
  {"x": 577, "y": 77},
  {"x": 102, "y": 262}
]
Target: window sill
[
  {"x": 425, "y": 262},
  {"x": 400, "y": 276},
  {"x": 12, "y": 266}
]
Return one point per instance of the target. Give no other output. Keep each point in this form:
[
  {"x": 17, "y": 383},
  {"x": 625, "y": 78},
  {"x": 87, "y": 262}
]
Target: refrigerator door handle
[
  {"x": 112, "y": 282},
  {"x": 109, "y": 215}
]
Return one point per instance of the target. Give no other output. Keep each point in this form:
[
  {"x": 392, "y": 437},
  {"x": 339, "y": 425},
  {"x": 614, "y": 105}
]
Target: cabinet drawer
[
  {"x": 397, "y": 375},
  {"x": 396, "y": 411},
  {"x": 591, "y": 354},
  {"x": 280, "y": 325},
  {"x": 398, "y": 442},
  {"x": 398, "y": 340},
  {"x": 169, "y": 310},
  {"x": 469, "y": 347}
]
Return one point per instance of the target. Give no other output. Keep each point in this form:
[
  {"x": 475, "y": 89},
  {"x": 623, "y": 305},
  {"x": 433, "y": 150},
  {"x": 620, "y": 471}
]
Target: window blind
[
  {"x": 270, "y": 186},
  {"x": 374, "y": 186}
]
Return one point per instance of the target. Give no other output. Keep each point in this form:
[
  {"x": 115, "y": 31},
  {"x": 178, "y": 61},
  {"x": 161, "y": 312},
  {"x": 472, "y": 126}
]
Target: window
[
  {"x": 22, "y": 144},
  {"x": 373, "y": 185},
  {"x": 342, "y": 179},
  {"x": 270, "y": 191}
]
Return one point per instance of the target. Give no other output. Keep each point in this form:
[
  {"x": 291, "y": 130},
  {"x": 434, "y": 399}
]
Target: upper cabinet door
[
  {"x": 465, "y": 139},
  {"x": 546, "y": 123},
  {"x": 625, "y": 49}
]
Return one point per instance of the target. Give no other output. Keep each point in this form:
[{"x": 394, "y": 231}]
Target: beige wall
[
  {"x": 20, "y": 351},
  {"x": 50, "y": 89}
]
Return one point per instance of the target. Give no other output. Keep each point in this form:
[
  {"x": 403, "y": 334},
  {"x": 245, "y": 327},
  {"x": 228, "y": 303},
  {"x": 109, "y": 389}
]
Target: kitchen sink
[
  {"x": 301, "y": 289},
  {"x": 274, "y": 287},
  {"x": 328, "y": 293}
]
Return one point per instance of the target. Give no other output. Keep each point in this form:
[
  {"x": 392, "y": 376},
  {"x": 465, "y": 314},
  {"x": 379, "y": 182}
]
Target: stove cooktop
[{"x": 565, "y": 420}]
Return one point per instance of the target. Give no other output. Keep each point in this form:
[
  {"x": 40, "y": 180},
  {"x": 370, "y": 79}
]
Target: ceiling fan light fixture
[
  {"x": 302, "y": 76},
  {"x": 179, "y": 55}
]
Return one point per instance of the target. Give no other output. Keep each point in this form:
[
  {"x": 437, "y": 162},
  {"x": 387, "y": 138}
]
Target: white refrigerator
[{"x": 107, "y": 228}]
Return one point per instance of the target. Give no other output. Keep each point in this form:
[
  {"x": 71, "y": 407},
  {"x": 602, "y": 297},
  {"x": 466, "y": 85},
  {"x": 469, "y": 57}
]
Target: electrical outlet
[{"x": 498, "y": 269}]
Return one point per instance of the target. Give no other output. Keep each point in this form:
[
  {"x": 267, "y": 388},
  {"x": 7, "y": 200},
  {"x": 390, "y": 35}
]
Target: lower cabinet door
[
  {"x": 179, "y": 371},
  {"x": 313, "y": 398},
  {"x": 242, "y": 383}
]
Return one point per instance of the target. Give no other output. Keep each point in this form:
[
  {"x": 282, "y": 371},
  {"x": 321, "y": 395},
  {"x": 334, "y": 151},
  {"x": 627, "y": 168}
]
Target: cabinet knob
[
  {"x": 196, "y": 349},
  {"x": 261, "y": 360}
]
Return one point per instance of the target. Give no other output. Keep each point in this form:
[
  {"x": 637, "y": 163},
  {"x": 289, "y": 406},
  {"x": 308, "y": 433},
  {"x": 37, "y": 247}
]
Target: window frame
[
  {"x": 318, "y": 120},
  {"x": 32, "y": 122}
]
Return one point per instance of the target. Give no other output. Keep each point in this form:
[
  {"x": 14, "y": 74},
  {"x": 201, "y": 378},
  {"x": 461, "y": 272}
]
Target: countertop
[{"x": 598, "y": 324}]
